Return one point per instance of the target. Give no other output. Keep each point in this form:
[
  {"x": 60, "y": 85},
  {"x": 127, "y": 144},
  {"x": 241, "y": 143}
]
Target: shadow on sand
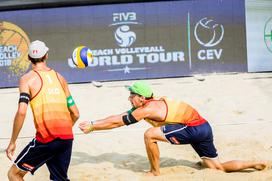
[{"x": 133, "y": 162}]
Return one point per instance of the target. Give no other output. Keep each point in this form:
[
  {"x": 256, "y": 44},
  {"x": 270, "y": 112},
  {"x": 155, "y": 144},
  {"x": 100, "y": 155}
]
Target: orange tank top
[
  {"x": 49, "y": 107},
  {"x": 178, "y": 112}
]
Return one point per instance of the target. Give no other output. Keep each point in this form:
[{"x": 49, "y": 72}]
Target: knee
[
  {"x": 14, "y": 173},
  {"x": 219, "y": 167},
  {"x": 213, "y": 164},
  {"x": 148, "y": 135},
  {"x": 11, "y": 173}
]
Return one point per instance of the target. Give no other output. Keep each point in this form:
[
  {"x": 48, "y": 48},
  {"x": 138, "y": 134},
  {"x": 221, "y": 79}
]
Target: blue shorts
[
  {"x": 56, "y": 154},
  {"x": 200, "y": 137}
]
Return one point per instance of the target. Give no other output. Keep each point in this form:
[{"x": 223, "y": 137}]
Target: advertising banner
[
  {"x": 129, "y": 41},
  {"x": 259, "y": 35}
]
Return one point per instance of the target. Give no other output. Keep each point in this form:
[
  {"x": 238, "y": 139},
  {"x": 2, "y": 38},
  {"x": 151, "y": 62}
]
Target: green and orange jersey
[
  {"x": 51, "y": 115},
  {"x": 177, "y": 112}
]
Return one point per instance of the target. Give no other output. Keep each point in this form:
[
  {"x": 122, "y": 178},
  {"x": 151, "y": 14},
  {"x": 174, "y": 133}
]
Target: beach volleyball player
[
  {"x": 175, "y": 122},
  {"x": 54, "y": 113}
]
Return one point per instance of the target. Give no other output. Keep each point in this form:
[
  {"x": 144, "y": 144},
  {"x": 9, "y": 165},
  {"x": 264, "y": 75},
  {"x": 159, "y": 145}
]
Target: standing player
[{"x": 54, "y": 113}]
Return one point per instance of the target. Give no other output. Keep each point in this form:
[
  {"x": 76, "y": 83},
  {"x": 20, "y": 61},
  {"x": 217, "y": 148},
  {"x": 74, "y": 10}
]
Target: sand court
[{"x": 238, "y": 107}]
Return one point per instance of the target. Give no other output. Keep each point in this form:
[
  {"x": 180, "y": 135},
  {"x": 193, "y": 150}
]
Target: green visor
[{"x": 141, "y": 88}]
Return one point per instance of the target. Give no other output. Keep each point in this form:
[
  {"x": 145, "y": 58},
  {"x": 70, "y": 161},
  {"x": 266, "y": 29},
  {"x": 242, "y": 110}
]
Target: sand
[{"x": 238, "y": 106}]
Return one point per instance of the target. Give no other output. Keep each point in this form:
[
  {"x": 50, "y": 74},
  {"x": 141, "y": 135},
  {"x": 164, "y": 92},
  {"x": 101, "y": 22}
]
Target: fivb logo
[
  {"x": 209, "y": 34},
  {"x": 123, "y": 35},
  {"x": 268, "y": 34}
]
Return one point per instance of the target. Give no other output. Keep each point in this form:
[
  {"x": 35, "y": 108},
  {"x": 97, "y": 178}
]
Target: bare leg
[
  {"x": 234, "y": 165},
  {"x": 151, "y": 136},
  {"x": 237, "y": 165},
  {"x": 213, "y": 163},
  {"x": 15, "y": 174}
]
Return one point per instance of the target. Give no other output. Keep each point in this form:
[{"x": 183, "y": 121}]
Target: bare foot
[
  {"x": 150, "y": 173},
  {"x": 263, "y": 166}
]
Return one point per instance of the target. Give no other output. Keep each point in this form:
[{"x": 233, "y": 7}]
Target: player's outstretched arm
[
  {"x": 110, "y": 122},
  {"x": 116, "y": 120}
]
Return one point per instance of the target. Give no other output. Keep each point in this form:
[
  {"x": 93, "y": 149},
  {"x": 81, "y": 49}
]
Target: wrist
[
  {"x": 91, "y": 127},
  {"x": 12, "y": 142}
]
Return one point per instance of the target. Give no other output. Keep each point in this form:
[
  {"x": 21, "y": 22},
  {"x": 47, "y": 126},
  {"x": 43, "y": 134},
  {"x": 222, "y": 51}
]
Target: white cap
[{"x": 37, "y": 49}]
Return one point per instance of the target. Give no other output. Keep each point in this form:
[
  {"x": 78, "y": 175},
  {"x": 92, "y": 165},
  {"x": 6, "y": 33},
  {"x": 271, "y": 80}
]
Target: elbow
[
  {"x": 21, "y": 113},
  {"x": 119, "y": 124},
  {"x": 76, "y": 115}
]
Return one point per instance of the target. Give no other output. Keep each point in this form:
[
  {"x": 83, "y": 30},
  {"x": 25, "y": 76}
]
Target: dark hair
[
  {"x": 36, "y": 60},
  {"x": 148, "y": 98}
]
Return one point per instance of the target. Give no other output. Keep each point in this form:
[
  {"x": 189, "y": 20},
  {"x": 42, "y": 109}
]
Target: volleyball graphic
[
  {"x": 208, "y": 32},
  {"x": 14, "y": 44},
  {"x": 82, "y": 57},
  {"x": 124, "y": 36}
]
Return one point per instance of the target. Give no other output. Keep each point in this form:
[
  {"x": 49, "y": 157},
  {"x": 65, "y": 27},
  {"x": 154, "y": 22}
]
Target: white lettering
[
  {"x": 105, "y": 60},
  {"x": 178, "y": 56},
  {"x": 53, "y": 91},
  {"x": 111, "y": 60},
  {"x": 142, "y": 55},
  {"x": 139, "y": 50},
  {"x": 161, "y": 57},
  {"x": 9, "y": 48},
  {"x": 5, "y": 63},
  {"x": 218, "y": 53},
  {"x": 126, "y": 59},
  {"x": 102, "y": 52},
  {"x": 152, "y": 58},
  {"x": 200, "y": 55},
  {"x": 128, "y": 16},
  {"x": 141, "y": 58},
  {"x": 114, "y": 61},
  {"x": 209, "y": 54},
  {"x": 9, "y": 55}
]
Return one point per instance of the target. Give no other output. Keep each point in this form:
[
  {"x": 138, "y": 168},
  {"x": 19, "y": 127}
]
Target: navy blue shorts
[
  {"x": 200, "y": 137},
  {"x": 56, "y": 154}
]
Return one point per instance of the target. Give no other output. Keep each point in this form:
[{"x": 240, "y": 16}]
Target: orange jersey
[
  {"x": 51, "y": 115},
  {"x": 178, "y": 112}
]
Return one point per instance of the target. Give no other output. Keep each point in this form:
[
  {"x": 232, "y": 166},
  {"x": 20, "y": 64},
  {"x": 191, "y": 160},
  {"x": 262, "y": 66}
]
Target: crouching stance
[{"x": 174, "y": 122}]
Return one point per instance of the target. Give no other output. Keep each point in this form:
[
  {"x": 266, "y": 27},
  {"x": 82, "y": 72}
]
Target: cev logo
[
  {"x": 208, "y": 26},
  {"x": 268, "y": 34},
  {"x": 123, "y": 35},
  {"x": 209, "y": 34}
]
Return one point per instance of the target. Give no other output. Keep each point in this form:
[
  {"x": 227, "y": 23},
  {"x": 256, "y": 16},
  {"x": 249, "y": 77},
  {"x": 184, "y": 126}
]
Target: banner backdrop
[
  {"x": 259, "y": 35},
  {"x": 129, "y": 41}
]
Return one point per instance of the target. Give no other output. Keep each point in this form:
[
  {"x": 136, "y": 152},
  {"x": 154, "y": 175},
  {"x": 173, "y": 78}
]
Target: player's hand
[
  {"x": 86, "y": 127},
  {"x": 10, "y": 150}
]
